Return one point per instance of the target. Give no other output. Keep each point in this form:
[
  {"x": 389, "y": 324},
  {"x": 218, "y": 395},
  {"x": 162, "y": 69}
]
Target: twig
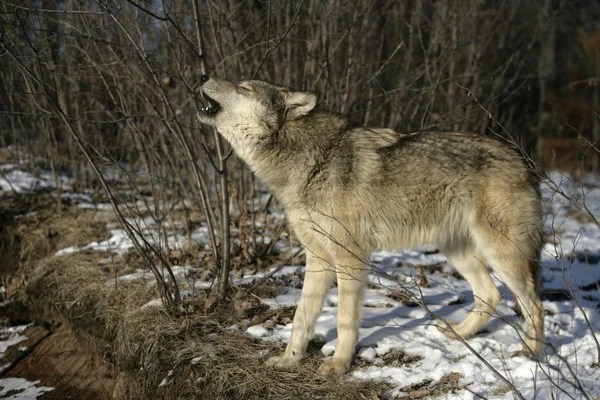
[{"x": 277, "y": 269}]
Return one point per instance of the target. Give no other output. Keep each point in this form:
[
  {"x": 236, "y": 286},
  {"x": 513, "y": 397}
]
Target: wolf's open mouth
[{"x": 213, "y": 106}]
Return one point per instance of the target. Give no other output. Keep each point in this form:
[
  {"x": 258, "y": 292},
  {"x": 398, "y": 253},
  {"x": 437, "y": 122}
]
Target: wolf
[{"x": 348, "y": 190}]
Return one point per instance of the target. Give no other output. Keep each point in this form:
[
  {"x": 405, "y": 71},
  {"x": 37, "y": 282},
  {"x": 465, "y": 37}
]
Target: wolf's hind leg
[
  {"x": 514, "y": 253},
  {"x": 508, "y": 231},
  {"x": 317, "y": 281},
  {"x": 515, "y": 272},
  {"x": 485, "y": 292}
]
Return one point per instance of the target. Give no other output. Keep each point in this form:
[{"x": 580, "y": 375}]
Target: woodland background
[
  {"x": 125, "y": 72},
  {"x": 98, "y": 101},
  {"x": 113, "y": 85}
]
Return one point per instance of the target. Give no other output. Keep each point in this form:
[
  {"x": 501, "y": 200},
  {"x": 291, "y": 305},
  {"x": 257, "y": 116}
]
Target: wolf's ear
[{"x": 299, "y": 103}]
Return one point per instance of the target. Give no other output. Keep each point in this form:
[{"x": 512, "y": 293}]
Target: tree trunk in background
[
  {"x": 596, "y": 118},
  {"x": 546, "y": 65}
]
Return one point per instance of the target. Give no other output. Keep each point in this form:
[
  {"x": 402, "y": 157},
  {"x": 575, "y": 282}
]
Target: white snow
[
  {"x": 29, "y": 214},
  {"x": 10, "y": 336},
  {"x": 165, "y": 379},
  {"x": 258, "y": 331},
  {"x": 21, "y": 389},
  {"x": 388, "y": 325},
  {"x": 13, "y": 179},
  {"x": 118, "y": 243}
]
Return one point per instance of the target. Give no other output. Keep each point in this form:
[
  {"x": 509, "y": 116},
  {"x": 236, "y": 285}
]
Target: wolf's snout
[{"x": 204, "y": 79}]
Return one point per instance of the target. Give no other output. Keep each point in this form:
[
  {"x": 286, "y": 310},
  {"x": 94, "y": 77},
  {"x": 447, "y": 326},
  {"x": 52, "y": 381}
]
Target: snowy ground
[
  {"x": 13, "y": 179},
  {"x": 390, "y": 325}
]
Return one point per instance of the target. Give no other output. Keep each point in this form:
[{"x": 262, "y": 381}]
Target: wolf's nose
[{"x": 204, "y": 79}]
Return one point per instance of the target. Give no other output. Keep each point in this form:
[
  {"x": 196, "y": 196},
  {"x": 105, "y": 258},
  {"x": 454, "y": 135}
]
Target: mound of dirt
[{"x": 62, "y": 361}]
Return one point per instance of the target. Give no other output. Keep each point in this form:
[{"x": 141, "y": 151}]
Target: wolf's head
[{"x": 251, "y": 110}]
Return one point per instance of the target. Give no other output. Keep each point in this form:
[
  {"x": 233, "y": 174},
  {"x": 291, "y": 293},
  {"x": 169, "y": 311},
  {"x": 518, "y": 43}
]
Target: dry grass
[
  {"x": 31, "y": 229},
  {"x": 203, "y": 359},
  {"x": 49, "y": 233},
  {"x": 81, "y": 289}
]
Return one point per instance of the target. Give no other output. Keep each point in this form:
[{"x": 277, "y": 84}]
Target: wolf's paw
[
  {"x": 283, "y": 361},
  {"x": 333, "y": 366},
  {"x": 442, "y": 327},
  {"x": 525, "y": 352}
]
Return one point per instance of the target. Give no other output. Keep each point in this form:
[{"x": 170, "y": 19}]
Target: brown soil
[{"x": 60, "y": 360}]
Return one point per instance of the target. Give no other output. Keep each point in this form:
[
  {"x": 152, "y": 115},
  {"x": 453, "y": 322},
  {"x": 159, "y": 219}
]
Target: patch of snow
[
  {"x": 411, "y": 258},
  {"x": 10, "y": 336},
  {"x": 368, "y": 354},
  {"x": 29, "y": 214},
  {"x": 118, "y": 243},
  {"x": 289, "y": 270},
  {"x": 24, "y": 389},
  {"x": 153, "y": 303},
  {"x": 258, "y": 331},
  {"x": 92, "y": 206},
  {"x": 22, "y": 182},
  {"x": 181, "y": 274}
]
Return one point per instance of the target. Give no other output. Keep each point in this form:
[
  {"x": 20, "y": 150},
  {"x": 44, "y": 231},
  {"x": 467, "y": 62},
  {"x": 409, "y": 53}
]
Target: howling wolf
[{"x": 349, "y": 189}]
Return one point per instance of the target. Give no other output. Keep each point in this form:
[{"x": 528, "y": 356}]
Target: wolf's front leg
[
  {"x": 351, "y": 275},
  {"x": 318, "y": 279}
]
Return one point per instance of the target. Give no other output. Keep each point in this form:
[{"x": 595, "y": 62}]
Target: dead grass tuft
[
  {"x": 80, "y": 288},
  {"x": 31, "y": 229},
  {"x": 206, "y": 360}
]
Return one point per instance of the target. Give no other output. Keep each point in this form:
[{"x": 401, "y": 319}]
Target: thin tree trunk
[{"x": 222, "y": 172}]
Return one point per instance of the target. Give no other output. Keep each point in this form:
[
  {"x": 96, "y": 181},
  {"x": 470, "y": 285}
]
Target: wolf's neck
[{"x": 286, "y": 159}]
